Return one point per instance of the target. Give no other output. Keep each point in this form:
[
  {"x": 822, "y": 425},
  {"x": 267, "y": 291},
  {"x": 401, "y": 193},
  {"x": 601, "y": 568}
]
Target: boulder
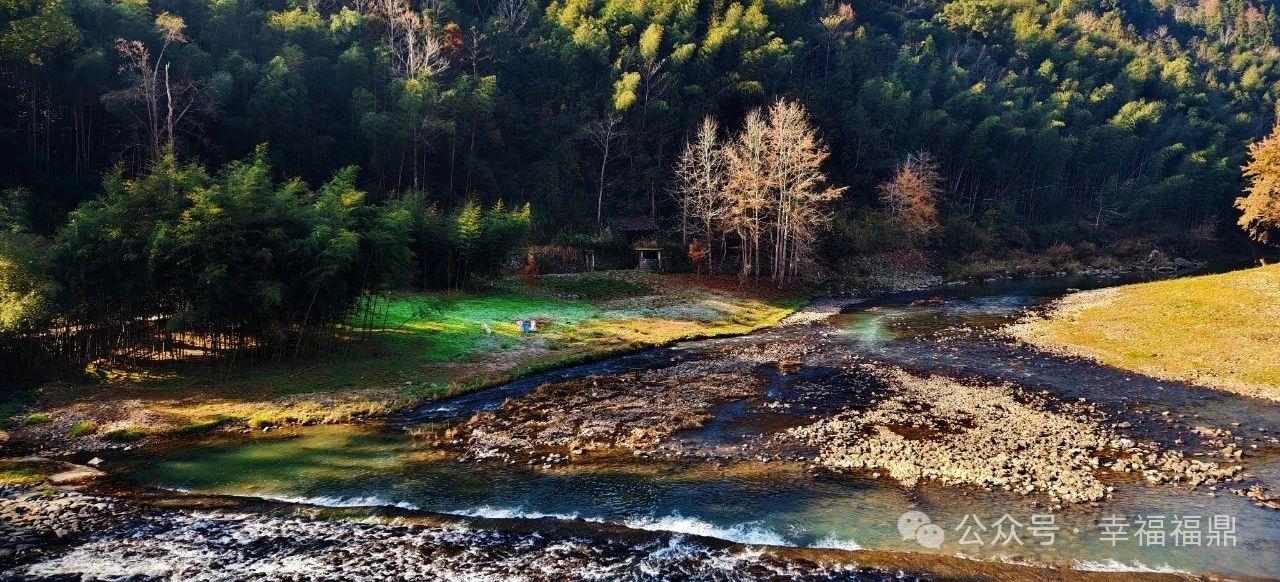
[{"x": 74, "y": 474}]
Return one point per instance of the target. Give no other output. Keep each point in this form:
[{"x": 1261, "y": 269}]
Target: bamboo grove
[{"x": 235, "y": 267}]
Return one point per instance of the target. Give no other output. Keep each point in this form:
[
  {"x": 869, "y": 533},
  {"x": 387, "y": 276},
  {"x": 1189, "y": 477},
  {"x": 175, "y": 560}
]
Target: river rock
[{"x": 74, "y": 474}]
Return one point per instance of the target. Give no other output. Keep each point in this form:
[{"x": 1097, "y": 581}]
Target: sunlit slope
[{"x": 1221, "y": 331}]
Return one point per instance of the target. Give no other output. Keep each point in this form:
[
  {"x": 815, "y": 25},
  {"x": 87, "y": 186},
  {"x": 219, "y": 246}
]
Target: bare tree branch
[{"x": 603, "y": 133}]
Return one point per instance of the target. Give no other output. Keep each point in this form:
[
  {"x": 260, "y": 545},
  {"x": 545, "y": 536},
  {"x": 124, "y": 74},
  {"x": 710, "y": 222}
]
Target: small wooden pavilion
[{"x": 641, "y": 233}]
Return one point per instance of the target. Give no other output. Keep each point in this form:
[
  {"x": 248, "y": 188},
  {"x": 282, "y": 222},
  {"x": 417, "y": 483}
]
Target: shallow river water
[{"x": 723, "y": 494}]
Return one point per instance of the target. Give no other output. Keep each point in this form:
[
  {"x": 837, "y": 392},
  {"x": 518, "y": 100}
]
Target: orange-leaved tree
[
  {"x": 1260, "y": 206},
  {"x": 911, "y": 195},
  {"x": 699, "y": 254},
  {"x": 529, "y": 274}
]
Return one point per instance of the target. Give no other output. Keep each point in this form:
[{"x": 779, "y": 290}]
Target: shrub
[
  {"x": 1178, "y": 243},
  {"x": 270, "y": 418},
  {"x": 36, "y": 418},
  {"x": 1016, "y": 237},
  {"x": 82, "y": 428},
  {"x": 124, "y": 435},
  {"x": 8, "y": 415},
  {"x": 1059, "y": 253},
  {"x": 529, "y": 274},
  {"x": 559, "y": 258},
  {"x": 205, "y": 425},
  {"x": 961, "y": 236}
]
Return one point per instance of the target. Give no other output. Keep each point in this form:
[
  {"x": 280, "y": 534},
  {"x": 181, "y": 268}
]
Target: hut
[{"x": 641, "y": 233}]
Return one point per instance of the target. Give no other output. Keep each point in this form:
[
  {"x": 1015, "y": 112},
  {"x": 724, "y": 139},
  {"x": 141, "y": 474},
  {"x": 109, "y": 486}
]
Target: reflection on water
[
  {"x": 781, "y": 502},
  {"x": 872, "y": 326}
]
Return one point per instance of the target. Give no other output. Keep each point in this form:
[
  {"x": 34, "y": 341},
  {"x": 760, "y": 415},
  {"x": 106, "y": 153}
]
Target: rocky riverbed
[
  {"x": 33, "y": 519},
  {"x": 870, "y": 417},
  {"x": 54, "y": 534},
  {"x": 631, "y": 413},
  {"x": 992, "y": 435}
]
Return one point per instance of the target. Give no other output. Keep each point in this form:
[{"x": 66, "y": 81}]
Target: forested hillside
[
  {"x": 1041, "y": 113},
  {"x": 156, "y": 156}
]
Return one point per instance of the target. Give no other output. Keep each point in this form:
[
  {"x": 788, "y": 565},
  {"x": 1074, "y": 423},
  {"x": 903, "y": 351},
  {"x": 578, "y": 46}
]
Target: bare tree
[
  {"x": 515, "y": 13},
  {"x": 910, "y": 196},
  {"x": 433, "y": 7},
  {"x": 802, "y": 201},
  {"x": 476, "y": 56},
  {"x": 767, "y": 182},
  {"x": 749, "y": 162},
  {"x": 415, "y": 49},
  {"x": 909, "y": 7},
  {"x": 603, "y": 133},
  {"x": 165, "y": 103},
  {"x": 837, "y": 25},
  {"x": 701, "y": 175},
  {"x": 654, "y": 84}
]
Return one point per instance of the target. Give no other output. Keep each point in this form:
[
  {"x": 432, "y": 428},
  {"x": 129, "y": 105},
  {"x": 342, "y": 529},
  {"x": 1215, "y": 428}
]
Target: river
[{"x": 729, "y": 491}]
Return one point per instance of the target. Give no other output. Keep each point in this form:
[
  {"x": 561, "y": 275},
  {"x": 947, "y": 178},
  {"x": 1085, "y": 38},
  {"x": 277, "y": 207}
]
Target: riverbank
[
  {"x": 1218, "y": 331},
  {"x": 430, "y": 345}
]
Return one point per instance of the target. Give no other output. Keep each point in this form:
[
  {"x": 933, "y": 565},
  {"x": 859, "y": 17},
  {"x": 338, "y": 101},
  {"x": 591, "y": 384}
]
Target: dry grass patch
[
  {"x": 21, "y": 476},
  {"x": 1220, "y": 331}
]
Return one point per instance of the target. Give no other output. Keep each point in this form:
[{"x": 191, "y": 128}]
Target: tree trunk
[
  {"x": 604, "y": 161},
  {"x": 168, "y": 94}
]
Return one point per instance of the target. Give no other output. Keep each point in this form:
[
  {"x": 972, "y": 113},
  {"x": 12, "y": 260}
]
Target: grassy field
[
  {"x": 429, "y": 345},
  {"x": 1221, "y": 331}
]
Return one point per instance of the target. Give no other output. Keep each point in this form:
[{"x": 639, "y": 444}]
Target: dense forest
[
  {"x": 1118, "y": 112},
  {"x": 156, "y": 157}
]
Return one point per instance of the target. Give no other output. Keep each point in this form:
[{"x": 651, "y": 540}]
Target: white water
[
  {"x": 832, "y": 542},
  {"x": 753, "y": 533},
  {"x": 743, "y": 533},
  {"x": 197, "y": 549},
  {"x": 320, "y": 500},
  {"x": 1118, "y": 566},
  {"x": 328, "y": 501}
]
